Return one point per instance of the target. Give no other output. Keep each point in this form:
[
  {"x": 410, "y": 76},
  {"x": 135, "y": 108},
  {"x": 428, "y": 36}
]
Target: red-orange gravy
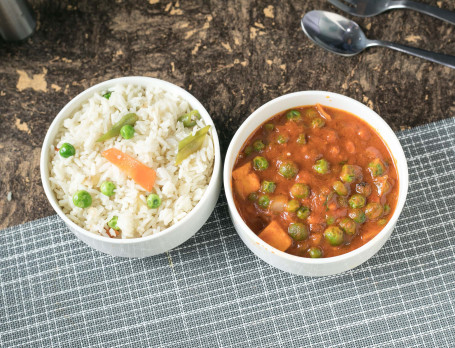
[{"x": 318, "y": 146}]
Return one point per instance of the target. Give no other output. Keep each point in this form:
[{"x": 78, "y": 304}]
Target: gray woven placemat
[{"x": 212, "y": 291}]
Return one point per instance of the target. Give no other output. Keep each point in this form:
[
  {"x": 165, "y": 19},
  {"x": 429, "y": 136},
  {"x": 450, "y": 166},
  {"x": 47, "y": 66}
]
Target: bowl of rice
[{"x": 132, "y": 166}]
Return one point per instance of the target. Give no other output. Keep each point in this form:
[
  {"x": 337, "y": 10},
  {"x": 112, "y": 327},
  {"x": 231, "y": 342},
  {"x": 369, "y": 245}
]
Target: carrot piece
[
  {"x": 245, "y": 181},
  {"x": 323, "y": 112},
  {"x": 139, "y": 172},
  {"x": 274, "y": 235}
]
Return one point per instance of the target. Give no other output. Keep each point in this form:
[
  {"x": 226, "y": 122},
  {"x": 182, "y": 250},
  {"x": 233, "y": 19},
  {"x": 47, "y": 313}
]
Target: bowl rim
[
  {"x": 403, "y": 179},
  {"x": 72, "y": 106}
]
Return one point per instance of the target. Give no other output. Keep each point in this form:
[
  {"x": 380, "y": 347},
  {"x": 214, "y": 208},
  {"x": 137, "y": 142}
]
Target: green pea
[
  {"x": 107, "y": 95},
  {"x": 317, "y": 122},
  {"x": 321, "y": 166},
  {"x": 248, "y": 150},
  {"x": 330, "y": 220},
  {"x": 373, "y": 210},
  {"x": 107, "y": 188},
  {"x": 260, "y": 163},
  {"x": 303, "y": 212},
  {"x": 363, "y": 188},
  {"x": 357, "y": 201},
  {"x": 127, "y": 131},
  {"x": 357, "y": 215},
  {"x": 349, "y": 173},
  {"x": 300, "y": 191},
  {"x": 315, "y": 252},
  {"x": 333, "y": 235},
  {"x": 292, "y": 206},
  {"x": 264, "y": 201},
  {"x": 113, "y": 223},
  {"x": 382, "y": 222},
  {"x": 310, "y": 113},
  {"x": 269, "y": 127},
  {"x": 340, "y": 189},
  {"x": 253, "y": 197},
  {"x": 67, "y": 150},
  {"x": 293, "y": 115},
  {"x": 153, "y": 201},
  {"x": 189, "y": 119},
  {"x": 82, "y": 199},
  {"x": 282, "y": 139},
  {"x": 301, "y": 139},
  {"x": 268, "y": 186},
  {"x": 298, "y": 231},
  {"x": 258, "y": 145},
  {"x": 348, "y": 226},
  {"x": 288, "y": 169},
  {"x": 376, "y": 167},
  {"x": 386, "y": 209}
]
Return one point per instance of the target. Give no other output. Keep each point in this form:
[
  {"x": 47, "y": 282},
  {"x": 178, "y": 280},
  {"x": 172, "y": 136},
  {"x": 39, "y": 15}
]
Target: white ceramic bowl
[
  {"x": 172, "y": 236},
  {"x": 302, "y": 265}
]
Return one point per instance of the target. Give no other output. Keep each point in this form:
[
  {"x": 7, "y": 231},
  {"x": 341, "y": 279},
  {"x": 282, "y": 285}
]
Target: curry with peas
[{"x": 315, "y": 181}]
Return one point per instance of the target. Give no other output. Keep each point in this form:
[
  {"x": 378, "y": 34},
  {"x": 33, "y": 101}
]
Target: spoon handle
[
  {"x": 437, "y": 12},
  {"x": 440, "y": 58}
]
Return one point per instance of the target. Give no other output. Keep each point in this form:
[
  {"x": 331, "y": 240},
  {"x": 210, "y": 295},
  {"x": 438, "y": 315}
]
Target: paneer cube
[
  {"x": 245, "y": 180},
  {"x": 275, "y": 236}
]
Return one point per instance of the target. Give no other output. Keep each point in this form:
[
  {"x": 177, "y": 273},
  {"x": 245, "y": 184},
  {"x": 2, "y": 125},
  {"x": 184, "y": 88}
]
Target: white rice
[{"x": 155, "y": 143}]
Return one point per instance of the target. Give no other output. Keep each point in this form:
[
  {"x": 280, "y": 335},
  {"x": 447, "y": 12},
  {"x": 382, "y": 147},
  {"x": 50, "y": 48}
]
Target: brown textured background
[{"x": 231, "y": 55}]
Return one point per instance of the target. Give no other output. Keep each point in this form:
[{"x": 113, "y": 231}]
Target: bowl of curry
[{"x": 315, "y": 182}]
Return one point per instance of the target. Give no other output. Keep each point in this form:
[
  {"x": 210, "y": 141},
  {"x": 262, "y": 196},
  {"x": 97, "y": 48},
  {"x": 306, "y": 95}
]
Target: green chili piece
[
  {"x": 191, "y": 144},
  {"x": 128, "y": 119},
  {"x": 107, "y": 95}
]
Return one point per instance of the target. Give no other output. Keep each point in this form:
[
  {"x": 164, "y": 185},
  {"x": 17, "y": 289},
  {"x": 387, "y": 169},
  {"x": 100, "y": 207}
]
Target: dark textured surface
[{"x": 232, "y": 55}]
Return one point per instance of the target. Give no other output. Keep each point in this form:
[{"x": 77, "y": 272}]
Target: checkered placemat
[{"x": 212, "y": 291}]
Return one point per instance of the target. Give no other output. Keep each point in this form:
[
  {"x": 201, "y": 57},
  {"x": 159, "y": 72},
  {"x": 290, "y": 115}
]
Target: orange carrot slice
[{"x": 138, "y": 171}]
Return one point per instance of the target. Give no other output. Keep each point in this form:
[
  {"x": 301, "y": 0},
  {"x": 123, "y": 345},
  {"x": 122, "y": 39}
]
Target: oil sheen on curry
[{"x": 315, "y": 181}]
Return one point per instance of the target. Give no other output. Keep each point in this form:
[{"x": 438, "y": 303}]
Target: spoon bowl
[
  {"x": 334, "y": 32},
  {"x": 340, "y": 35}
]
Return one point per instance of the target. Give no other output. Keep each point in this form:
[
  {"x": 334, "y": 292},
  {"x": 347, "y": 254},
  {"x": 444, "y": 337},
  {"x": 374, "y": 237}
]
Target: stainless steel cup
[{"x": 17, "y": 21}]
